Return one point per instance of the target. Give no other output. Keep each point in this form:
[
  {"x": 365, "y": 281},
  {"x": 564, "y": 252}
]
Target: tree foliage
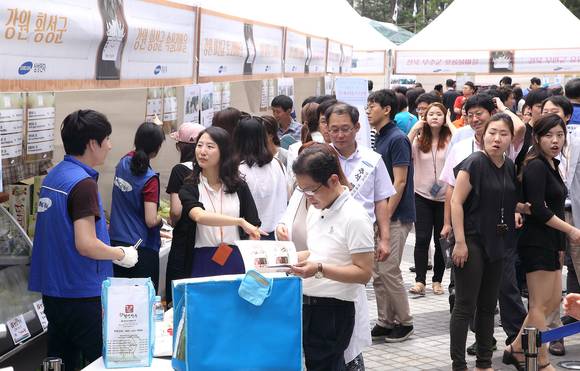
[{"x": 427, "y": 10}]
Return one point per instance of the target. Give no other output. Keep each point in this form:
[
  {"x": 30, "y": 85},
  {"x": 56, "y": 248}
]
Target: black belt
[{"x": 316, "y": 300}]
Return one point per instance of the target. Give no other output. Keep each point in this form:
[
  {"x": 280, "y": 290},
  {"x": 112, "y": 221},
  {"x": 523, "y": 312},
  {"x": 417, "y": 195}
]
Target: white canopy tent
[{"x": 490, "y": 45}]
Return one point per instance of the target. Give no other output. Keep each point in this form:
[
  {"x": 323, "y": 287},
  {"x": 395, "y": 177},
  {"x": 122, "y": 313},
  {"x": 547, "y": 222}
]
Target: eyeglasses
[
  {"x": 335, "y": 131},
  {"x": 476, "y": 114},
  {"x": 309, "y": 193}
]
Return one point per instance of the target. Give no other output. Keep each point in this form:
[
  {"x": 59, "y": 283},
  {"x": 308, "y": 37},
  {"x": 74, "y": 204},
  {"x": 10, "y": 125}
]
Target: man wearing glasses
[
  {"x": 394, "y": 322},
  {"x": 371, "y": 187}
]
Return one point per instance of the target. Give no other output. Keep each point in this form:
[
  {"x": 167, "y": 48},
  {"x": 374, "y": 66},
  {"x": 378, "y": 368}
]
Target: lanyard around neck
[{"x": 214, "y": 208}]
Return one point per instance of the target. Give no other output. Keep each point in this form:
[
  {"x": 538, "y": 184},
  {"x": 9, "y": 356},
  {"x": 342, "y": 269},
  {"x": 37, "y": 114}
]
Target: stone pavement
[{"x": 428, "y": 347}]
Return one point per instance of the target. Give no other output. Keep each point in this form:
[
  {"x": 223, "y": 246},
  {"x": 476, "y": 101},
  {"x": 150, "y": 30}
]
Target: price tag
[
  {"x": 39, "y": 309},
  {"x": 18, "y": 329}
]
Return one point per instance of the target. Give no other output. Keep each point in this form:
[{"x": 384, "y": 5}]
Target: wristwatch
[{"x": 319, "y": 272}]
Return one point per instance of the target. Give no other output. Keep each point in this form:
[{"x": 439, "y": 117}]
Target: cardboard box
[{"x": 20, "y": 200}]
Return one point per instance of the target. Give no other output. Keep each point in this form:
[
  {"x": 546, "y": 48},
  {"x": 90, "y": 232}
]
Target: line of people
[{"x": 494, "y": 189}]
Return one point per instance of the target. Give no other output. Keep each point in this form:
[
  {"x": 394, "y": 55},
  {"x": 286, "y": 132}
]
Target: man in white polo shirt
[
  {"x": 339, "y": 259},
  {"x": 372, "y": 187}
]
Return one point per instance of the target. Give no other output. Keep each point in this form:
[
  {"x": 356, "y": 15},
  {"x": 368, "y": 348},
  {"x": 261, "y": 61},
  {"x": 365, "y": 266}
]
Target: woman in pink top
[{"x": 430, "y": 137}]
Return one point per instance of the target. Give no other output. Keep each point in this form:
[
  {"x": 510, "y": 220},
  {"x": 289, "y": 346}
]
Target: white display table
[{"x": 158, "y": 364}]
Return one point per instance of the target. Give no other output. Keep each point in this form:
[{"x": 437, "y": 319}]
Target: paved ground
[{"x": 428, "y": 348}]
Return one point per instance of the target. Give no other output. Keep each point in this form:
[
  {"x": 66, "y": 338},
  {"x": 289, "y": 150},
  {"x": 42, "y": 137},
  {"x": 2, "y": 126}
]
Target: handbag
[
  {"x": 447, "y": 245},
  {"x": 215, "y": 329}
]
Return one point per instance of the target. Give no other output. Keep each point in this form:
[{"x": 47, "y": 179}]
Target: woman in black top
[
  {"x": 185, "y": 137},
  {"x": 543, "y": 240},
  {"x": 215, "y": 178},
  {"x": 483, "y": 206}
]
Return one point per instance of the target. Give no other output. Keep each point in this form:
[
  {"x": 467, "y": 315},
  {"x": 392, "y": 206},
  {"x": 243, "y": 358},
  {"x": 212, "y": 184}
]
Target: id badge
[
  {"x": 222, "y": 254},
  {"x": 435, "y": 188}
]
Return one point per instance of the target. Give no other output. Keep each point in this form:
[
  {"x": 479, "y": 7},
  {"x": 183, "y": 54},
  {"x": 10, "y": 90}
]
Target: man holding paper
[{"x": 71, "y": 256}]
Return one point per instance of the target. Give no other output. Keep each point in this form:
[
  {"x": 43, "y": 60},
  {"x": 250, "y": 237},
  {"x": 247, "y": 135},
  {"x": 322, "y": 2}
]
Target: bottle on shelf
[{"x": 158, "y": 309}]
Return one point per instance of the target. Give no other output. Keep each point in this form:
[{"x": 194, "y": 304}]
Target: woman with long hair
[
  {"x": 430, "y": 138},
  {"x": 220, "y": 208},
  {"x": 542, "y": 243},
  {"x": 185, "y": 138},
  {"x": 262, "y": 171},
  {"x": 135, "y": 202}
]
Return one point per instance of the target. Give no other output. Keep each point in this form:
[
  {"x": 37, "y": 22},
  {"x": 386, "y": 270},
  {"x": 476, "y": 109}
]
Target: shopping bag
[
  {"x": 215, "y": 329},
  {"x": 128, "y": 329}
]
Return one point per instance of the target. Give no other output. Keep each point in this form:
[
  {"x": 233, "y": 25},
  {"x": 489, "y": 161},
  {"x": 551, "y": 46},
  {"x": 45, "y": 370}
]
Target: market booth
[
  {"x": 485, "y": 40},
  {"x": 132, "y": 60}
]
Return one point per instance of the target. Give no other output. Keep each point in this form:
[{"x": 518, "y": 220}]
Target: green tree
[{"x": 427, "y": 10}]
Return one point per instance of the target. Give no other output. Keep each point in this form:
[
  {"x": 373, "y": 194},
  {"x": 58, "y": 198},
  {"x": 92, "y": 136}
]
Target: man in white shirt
[
  {"x": 370, "y": 181},
  {"x": 339, "y": 259},
  {"x": 371, "y": 186}
]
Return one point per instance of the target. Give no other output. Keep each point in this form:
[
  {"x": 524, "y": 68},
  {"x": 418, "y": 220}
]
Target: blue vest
[
  {"x": 57, "y": 269},
  {"x": 128, "y": 208}
]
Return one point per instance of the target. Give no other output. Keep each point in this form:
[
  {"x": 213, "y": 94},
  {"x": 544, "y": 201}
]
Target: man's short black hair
[
  {"x": 480, "y": 100},
  {"x": 535, "y": 81},
  {"x": 449, "y": 83},
  {"x": 370, "y": 85},
  {"x": 506, "y": 80},
  {"x": 310, "y": 99},
  {"x": 341, "y": 108},
  {"x": 384, "y": 98},
  {"x": 572, "y": 88},
  {"x": 427, "y": 98},
  {"x": 402, "y": 102},
  {"x": 400, "y": 89},
  {"x": 536, "y": 97},
  {"x": 504, "y": 93},
  {"x": 438, "y": 88},
  {"x": 560, "y": 101},
  {"x": 322, "y": 107},
  {"x": 282, "y": 101},
  {"x": 79, "y": 127}
]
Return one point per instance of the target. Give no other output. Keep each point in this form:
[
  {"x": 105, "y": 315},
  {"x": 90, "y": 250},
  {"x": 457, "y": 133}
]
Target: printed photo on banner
[
  {"x": 191, "y": 103},
  {"x": 501, "y": 61},
  {"x": 169, "y": 109}
]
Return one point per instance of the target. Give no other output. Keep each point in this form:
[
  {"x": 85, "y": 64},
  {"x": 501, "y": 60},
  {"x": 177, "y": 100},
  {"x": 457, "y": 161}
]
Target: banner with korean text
[
  {"x": 368, "y": 62},
  {"x": 96, "y": 40}
]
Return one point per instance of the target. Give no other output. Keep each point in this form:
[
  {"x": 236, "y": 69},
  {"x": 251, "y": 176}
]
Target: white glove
[{"x": 130, "y": 259}]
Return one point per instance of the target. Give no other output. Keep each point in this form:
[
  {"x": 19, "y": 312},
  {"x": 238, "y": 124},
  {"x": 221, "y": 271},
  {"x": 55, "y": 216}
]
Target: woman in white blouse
[
  {"x": 218, "y": 209},
  {"x": 262, "y": 171}
]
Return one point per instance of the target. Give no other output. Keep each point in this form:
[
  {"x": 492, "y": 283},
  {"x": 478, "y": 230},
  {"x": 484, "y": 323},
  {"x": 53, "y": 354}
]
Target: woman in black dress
[
  {"x": 543, "y": 240},
  {"x": 483, "y": 206}
]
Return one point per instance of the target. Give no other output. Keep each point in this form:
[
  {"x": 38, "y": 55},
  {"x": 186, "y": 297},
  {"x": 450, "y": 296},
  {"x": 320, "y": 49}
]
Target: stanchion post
[{"x": 530, "y": 344}]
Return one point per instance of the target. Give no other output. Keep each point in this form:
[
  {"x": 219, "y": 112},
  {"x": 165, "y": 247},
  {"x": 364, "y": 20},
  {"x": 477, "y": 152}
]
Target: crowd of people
[{"x": 488, "y": 176}]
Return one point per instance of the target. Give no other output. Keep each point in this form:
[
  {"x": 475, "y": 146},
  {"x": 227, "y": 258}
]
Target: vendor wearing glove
[
  {"x": 71, "y": 255},
  {"x": 135, "y": 202}
]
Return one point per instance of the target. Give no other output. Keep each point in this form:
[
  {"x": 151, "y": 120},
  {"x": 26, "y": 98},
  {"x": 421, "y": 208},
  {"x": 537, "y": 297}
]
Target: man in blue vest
[{"x": 71, "y": 255}]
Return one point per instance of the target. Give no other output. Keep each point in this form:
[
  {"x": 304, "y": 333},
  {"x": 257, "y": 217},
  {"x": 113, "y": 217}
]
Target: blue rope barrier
[{"x": 560, "y": 332}]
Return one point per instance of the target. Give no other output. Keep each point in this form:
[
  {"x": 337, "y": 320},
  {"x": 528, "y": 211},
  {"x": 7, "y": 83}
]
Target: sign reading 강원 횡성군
[{"x": 96, "y": 40}]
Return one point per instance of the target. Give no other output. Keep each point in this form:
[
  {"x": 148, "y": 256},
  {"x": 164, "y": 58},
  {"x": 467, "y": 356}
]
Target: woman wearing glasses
[
  {"x": 340, "y": 257},
  {"x": 262, "y": 171}
]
